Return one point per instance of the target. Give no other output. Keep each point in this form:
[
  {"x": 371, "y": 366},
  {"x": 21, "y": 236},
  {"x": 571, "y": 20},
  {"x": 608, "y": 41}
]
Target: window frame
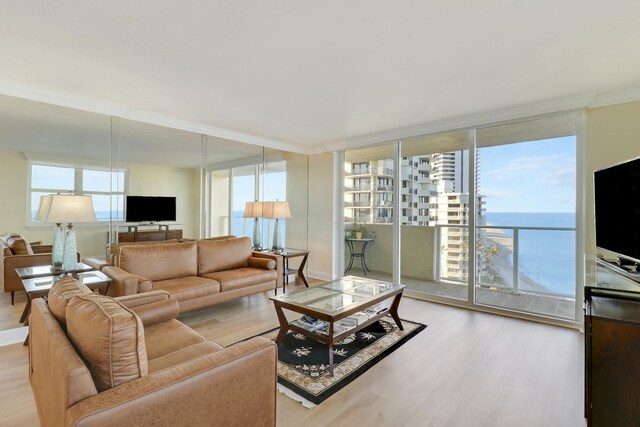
[{"x": 78, "y": 189}]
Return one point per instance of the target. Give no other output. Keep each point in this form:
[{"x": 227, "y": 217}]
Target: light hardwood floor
[{"x": 466, "y": 369}]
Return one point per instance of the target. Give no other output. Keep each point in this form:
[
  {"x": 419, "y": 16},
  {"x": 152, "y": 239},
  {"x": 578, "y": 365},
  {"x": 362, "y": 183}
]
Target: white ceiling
[{"x": 306, "y": 74}]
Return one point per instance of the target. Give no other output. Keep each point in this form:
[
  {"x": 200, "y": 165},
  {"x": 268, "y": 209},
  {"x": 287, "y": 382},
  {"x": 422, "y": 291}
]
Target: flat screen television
[
  {"x": 617, "y": 200},
  {"x": 150, "y": 208}
]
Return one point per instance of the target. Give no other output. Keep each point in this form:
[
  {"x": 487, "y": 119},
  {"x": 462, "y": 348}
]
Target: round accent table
[{"x": 350, "y": 241}]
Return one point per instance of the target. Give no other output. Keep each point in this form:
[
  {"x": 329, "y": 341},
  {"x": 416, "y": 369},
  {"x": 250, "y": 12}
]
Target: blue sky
[{"x": 535, "y": 176}]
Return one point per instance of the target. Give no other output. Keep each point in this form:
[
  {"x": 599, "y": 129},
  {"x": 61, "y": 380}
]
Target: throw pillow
[
  {"x": 61, "y": 293},
  {"x": 110, "y": 339}
]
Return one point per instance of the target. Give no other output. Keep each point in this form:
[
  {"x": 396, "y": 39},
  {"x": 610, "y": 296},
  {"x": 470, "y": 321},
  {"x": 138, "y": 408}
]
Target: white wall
[
  {"x": 321, "y": 221},
  {"x": 612, "y": 136}
]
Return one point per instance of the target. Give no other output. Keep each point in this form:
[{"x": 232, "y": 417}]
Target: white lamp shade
[
  {"x": 70, "y": 208},
  {"x": 276, "y": 210},
  {"x": 45, "y": 202},
  {"x": 252, "y": 210}
]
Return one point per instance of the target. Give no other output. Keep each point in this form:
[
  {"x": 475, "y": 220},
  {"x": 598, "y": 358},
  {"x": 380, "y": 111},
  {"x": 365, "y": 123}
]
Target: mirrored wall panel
[
  {"x": 156, "y": 182},
  {"x": 48, "y": 150}
]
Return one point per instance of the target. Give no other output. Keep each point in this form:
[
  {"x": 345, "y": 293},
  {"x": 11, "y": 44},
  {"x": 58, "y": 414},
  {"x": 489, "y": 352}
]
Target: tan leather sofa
[
  {"x": 197, "y": 274},
  {"x": 128, "y": 362},
  {"x": 112, "y": 250}
]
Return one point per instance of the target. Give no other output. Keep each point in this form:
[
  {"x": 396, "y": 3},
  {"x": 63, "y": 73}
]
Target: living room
[{"x": 491, "y": 353}]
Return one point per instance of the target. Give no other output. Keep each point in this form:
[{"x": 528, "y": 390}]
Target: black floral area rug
[{"x": 303, "y": 363}]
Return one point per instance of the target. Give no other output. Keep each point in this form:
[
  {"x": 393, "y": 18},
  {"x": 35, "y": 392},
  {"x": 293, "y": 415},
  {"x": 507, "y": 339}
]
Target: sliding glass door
[
  {"x": 434, "y": 214},
  {"x": 486, "y": 216},
  {"x": 526, "y": 251}
]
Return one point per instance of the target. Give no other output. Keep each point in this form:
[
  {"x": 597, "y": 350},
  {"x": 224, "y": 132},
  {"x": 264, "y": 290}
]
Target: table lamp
[
  {"x": 69, "y": 209},
  {"x": 277, "y": 210},
  {"x": 254, "y": 210}
]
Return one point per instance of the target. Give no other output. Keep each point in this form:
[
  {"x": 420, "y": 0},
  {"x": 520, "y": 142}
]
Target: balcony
[{"x": 507, "y": 277}]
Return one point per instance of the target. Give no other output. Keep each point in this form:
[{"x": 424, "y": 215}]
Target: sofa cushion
[
  {"x": 167, "y": 337},
  {"x": 110, "y": 339},
  {"x": 189, "y": 287},
  {"x": 242, "y": 277},
  {"x": 184, "y": 354},
  {"x": 219, "y": 255},
  {"x": 61, "y": 293},
  {"x": 18, "y": 244},
  {"x": 160, "y": 261}
]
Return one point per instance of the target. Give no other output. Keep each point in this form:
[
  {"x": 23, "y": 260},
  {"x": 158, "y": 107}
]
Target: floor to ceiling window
[
  {"x": 435, "y": 212},
  {"x": 527, "y": 249},
  {"x": 487, "y": 216}
]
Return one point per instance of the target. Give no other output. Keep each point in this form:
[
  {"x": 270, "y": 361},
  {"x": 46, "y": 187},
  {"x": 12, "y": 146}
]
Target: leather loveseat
[
  {"x": 198, "y": 273},
  {"x": 100, "y": 361}
]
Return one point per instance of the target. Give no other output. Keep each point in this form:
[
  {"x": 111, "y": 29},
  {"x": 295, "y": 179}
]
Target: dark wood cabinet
[
  {"x": 612, "y": 351},
  {"x": 161, "y": 233}
]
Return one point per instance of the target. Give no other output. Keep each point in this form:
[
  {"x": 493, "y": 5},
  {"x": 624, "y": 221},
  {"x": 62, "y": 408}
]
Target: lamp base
[
  {"x": 277, "y": 240},
  {"x": 70, "y": 257}
]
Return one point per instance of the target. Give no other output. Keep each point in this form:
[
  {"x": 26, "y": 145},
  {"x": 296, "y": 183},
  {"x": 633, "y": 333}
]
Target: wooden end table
[{"x": 286, "y": 254}]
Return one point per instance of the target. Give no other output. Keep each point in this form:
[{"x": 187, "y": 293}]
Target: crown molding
[
  {"x": 616, "y": 97},
  {"x": 124, "y": 112},
  {"x": 463, "y": 122}
]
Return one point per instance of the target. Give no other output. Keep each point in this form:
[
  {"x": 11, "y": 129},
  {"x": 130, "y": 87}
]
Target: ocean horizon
[{"x": 548, "y": 257}]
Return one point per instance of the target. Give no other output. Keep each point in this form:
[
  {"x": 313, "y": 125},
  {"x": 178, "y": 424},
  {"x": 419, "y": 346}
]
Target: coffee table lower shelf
[{"x": 331, "y": 339}]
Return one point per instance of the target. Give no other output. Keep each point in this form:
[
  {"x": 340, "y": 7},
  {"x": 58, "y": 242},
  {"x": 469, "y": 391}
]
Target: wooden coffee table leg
[
  {"x": 24, "y": 318},
  {"x": 394, "y": 311},
  {"x": 301, "y": 270},
  {"x": 331, "y": 348},
  {"x": 284, "y": 324}
]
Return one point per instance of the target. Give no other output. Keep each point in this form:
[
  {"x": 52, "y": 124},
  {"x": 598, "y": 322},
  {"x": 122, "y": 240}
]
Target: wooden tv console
[{"x": 161, "y": 233}]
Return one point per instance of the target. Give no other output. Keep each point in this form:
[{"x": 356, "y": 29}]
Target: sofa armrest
[
  {"x": 151, "y": 307},
  {"x": 41, "y": 249},
  {"x": 191, "y": 393},
  {"x": 263, "y": 263},
  {"x": 279, "y": 264},
  {"x": 131, "y": 301},
  {"x": 96, "y": 263},
  {"x": 124, "y": 283}
]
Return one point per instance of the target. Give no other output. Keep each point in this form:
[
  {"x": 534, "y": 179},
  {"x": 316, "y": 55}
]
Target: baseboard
[
  {"x": 320, "y": 275},
  {"x": 13, "y": 336}
]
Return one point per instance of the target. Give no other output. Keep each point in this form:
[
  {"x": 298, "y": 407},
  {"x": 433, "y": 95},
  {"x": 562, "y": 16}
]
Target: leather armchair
[
  {"x": 190, "y": 381},
  {"x": 10, "y": 280}
]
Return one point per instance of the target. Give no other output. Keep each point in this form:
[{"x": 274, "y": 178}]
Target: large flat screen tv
[
  {"x": 617, "y": 199},
  {"x": 150, "y": 208}
]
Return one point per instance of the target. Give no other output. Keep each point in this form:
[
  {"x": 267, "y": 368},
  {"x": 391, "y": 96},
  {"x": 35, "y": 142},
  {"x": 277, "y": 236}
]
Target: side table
[
  {"x": 286, "y": 254},
  {"x": 350, "y": 241}
]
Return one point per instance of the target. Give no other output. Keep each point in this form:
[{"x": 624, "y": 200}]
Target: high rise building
[{"x": 434, "y": 192}]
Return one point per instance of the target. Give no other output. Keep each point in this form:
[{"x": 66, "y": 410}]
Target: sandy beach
[{"x": 503, "y": 263}]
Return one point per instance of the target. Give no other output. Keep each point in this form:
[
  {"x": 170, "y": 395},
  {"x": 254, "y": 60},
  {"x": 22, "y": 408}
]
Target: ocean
[{"x": 546, "y": 256}]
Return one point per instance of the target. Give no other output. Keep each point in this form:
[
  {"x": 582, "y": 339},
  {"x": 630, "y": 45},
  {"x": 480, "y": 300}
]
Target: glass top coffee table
[
  {"x": 46, "y": 270},
  {"x": 338, "y": 309}
]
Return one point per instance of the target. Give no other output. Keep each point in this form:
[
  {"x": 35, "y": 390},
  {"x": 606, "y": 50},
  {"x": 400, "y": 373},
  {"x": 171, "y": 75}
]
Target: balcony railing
[{"x": 487, "y": 271}]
